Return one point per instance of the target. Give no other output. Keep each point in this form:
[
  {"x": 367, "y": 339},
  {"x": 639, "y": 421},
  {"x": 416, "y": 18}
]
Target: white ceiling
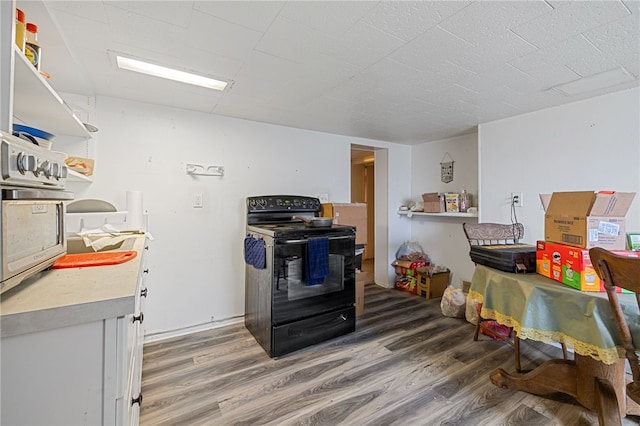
[{"x": 399, "y": 71}]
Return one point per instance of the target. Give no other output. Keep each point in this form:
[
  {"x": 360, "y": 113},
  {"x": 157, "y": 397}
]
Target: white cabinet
[{"x": 81, "y": 373}]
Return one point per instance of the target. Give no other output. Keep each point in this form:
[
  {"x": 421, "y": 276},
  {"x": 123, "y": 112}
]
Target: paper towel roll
[{"x": 135, "y": 212}]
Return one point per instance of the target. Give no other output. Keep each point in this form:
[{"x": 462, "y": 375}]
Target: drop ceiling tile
[
  {"x": 76, "y": 29},
  {"x": 619, "y": 41},
  {"x": 171, "y": 12},
  {"x": 570, "y": 20},
  {"x": 581, "y": 56},
  {"x": 362, "y": 45},
  {"x": 128, "y": 28},
  {"x": 408, "y": 19},
  {"x": 544, "y": 72},
  {"x": 256, "y": 15},
  {"x": 294, "y": 41},
  {"x": 90, "y": 10},
  {"x": 482, "y": 20},
  {"x": 208, "y": 63},
  {"x": 263, "y": 75},
  {"x": 332, "y": 17},
  {"x": 214, "y": 35},
  {"x": 432, "y": 48}
]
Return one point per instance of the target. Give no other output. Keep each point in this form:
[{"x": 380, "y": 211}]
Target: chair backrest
[
  {"x": 483, "y": 234},
  {"x": 621, "y": 271}
]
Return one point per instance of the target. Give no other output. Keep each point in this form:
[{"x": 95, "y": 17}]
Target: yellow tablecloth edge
[{"x": 607, "y": 356}]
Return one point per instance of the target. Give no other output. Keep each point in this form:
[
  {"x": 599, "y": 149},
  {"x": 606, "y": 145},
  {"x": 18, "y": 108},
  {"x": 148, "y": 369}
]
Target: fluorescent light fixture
[
  {"x": 169, "y": 73},
  {"x": 594, "y": 82}
]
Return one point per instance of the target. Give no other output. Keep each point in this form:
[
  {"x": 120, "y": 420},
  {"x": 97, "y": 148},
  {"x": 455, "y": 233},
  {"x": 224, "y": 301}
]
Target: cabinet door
[{"x": 53, "y": 376}]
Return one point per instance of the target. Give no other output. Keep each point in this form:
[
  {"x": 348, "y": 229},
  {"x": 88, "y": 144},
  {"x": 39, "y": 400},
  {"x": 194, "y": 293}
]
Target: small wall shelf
[
  {"x": 409, "y": 214},
  {"x": 36, "y": 104}
]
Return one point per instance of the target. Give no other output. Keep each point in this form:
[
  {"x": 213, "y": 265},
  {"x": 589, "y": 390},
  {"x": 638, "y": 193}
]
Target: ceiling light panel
[{"x": 169, "y": 73}]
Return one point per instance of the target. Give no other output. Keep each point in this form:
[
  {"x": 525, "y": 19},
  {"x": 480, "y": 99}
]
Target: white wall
[
  {"x": 588, "y": 145},
  {"x": 442, "y": 237},
  {"x": 196, "y": 260}
]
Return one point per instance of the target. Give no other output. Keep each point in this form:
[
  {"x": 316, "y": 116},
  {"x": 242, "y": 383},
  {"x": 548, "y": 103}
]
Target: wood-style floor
[{"x": 406, "y": 364}]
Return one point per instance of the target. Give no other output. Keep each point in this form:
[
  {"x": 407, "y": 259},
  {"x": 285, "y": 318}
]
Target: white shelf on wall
[
  {"x": 410, "y": 214},
  {"x": 36, "y": 103},
  {"x": 74, "y": 176}
]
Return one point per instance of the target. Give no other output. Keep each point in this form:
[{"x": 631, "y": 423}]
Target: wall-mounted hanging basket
[{"x": 446, "y": 168}]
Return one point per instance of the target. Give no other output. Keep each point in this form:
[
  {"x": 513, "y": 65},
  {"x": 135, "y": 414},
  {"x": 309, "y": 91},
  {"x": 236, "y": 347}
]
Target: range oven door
[
  {"x": 293, "y": 297},
  {"x": 33, "y": 234}
]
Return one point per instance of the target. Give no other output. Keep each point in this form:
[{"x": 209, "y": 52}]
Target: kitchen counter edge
[{"x": 65, "y": 297}]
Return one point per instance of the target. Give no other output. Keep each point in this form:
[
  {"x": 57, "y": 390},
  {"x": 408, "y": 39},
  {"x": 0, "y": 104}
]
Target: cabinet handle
[
  {"x": 139, "y": 317},
  {"x": 137, "y": 400},
  {"x": 146, "y": 247},
  {"x": 146, "y": 271},
  {"x": 143, "y": 292}
]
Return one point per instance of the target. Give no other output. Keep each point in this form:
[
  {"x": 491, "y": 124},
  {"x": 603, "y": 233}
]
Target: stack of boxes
[
  {"x": 353, "y": 214},
  {"x": 407, "y": 273},
  {"x": 574, "y": 223},
  {"x": 420, "y": 277}
]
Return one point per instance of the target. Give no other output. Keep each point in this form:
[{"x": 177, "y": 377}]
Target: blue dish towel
[
  {"x": 317, "y": 263},
  {"x": 255, "y": 252}
]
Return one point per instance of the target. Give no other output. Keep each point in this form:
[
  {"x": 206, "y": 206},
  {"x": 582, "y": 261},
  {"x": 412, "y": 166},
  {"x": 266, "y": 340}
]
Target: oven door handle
[
  {"x": 345, "y": 237},
  {"x": 36, "y": 194}
]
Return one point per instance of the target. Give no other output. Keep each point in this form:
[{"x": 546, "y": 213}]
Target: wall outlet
[
  {"x": 197, "y": 201},
  {"x": 517, "y": 199},
  {"x": 324, "y": 198}
]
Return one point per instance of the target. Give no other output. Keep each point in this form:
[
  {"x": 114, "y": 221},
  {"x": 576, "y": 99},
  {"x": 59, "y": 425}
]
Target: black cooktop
[{"x": 298, "y": 229}]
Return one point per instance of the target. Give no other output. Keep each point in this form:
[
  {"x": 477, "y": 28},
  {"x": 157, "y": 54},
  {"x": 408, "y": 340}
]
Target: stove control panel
[
  {"x": 282, "y": 203},
  {"x": 26, "y": 164}
]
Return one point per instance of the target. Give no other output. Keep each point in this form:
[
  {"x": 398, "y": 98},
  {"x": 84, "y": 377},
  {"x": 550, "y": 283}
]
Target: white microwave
[{"x": 33, "y": 234}]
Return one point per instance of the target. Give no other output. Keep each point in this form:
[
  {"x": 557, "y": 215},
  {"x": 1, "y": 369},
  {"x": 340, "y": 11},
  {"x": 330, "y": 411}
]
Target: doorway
[{"x": 363, "y": 191}]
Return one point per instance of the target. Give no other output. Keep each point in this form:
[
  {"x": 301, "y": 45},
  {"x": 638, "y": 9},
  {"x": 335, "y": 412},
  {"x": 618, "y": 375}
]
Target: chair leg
[
  {"x": 606, "y": 403},
  {"x": 565, "y": 352},
  {"x": 475, "y": 333}
]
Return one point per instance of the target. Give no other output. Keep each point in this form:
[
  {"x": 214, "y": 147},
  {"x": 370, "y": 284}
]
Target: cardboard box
[
  {"x": 433, "y": 202},
  {"x": 570, "y": 265},
  {"x": 452, "y": 202},
  {"x": 407, "y": 267},
  {"x": 361, "y": 279},
  {"x": 585, "y": 219},
  {"x": 354, "y": 214},
  {"x": 431, "y": 285}
]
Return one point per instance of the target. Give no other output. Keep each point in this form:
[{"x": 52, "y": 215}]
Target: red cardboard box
[{"x": 571, "y": 265}]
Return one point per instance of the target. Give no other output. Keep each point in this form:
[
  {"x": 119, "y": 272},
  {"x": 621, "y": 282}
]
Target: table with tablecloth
[{"x": 544, "y": 310}]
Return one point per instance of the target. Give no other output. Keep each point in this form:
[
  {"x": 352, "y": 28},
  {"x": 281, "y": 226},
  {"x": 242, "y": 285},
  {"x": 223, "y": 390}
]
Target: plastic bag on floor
[
  {"x": 471, "y": 312},
  {"x": 453, "y": 303}
]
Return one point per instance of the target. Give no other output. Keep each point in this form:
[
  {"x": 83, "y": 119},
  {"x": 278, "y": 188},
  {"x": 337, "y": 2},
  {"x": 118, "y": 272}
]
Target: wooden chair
[
  {"x": 621, "y": 271},
  {"x": 487, "y": 234}
]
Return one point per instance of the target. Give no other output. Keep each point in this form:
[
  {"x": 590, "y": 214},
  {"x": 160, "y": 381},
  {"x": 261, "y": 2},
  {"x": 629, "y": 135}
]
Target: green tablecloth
[{"x": 544, "y": 310}]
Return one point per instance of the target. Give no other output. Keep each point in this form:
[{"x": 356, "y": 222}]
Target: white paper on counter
[{"x": 107, "y": 235}]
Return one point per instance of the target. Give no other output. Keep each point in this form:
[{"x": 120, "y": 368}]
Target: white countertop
[{"x": 63, "y": 297}]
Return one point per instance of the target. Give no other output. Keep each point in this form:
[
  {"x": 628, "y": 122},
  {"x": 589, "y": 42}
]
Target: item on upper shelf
[
  {"x": 464, "y": 201},
  {"x": 20, "y": 30},
  {"x": 32, "y": 49},
  {"x": 80, "y": 165},
  {"x": 452, "y": 202},
  {"x": 433, "y": 202},
  {"x": 37, "y": 136}
]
